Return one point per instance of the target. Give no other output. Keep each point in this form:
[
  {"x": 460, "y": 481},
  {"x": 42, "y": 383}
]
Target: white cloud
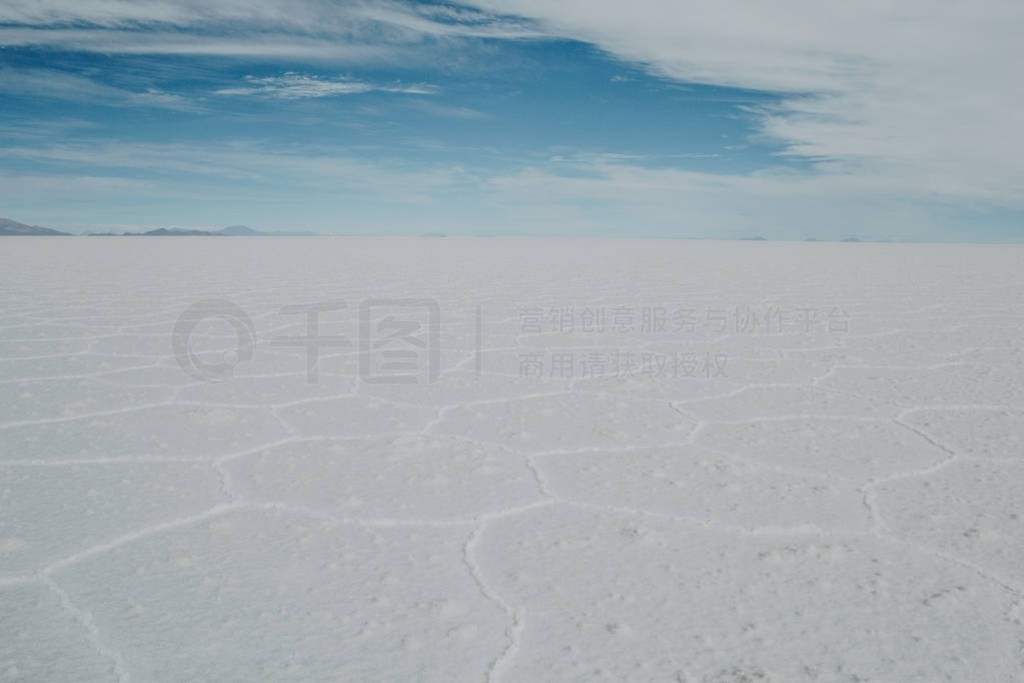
[
  {"x": 357, "y": 31},
  {"x": 899, "y": 106},
  {"x": 249, "y": 164},
  {"x": 920, "y": 93},
  {"x": 295, "y": 86},
  {"x": 603, "y": 193},
  {"x": 64, "y": 86},
  {"x": 263, "y": 45},
  {"x": 250, "y": 182},
  {"x": 294, "y": 15},
  {"x": 448, "y": 111}
]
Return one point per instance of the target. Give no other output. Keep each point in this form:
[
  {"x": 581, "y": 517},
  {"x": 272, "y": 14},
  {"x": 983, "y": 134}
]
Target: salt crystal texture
[{"x": 673, "y": 492}]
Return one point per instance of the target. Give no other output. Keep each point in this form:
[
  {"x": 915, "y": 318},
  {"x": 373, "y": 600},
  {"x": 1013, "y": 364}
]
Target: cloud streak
[
  {"x": 354, "y": 32},
  {"x": 917, "y": 91},
  {"x": 296, "y": 86},
  {"x": 248, "y": 162},
  {"x": 575, "y": 195},
  {"x": 52, "y": 83},
  {"x": 602, "y": 193}
]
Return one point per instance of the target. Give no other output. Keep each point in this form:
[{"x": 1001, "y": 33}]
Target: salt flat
[{"x": 583, "y": 460}]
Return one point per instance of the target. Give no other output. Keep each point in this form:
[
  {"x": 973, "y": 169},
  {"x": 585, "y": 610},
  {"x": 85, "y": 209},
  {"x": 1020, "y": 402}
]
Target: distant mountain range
[
  {"x": 9, "y": 227},
  {"x": 238, "y": 231},
  {"x": 232, "y": 231}
]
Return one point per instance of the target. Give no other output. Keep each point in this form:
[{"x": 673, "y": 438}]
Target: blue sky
[{"x": 661, "y": 118}]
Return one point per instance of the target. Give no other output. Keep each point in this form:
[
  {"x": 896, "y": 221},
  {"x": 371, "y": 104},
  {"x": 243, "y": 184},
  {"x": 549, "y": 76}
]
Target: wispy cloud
[
  {"x": 570, "y": 194},
  {"x": 921, "y": 92},
  {"x": 56, "y": 84},
  {"x": 603, "y": 191},
  {"x": 250, "y": 163},
  {"x": 296, "y": 86},
  {"x": 353, "y": 32},
  {"x": 891, "y": 107},
  {"x": 449, "y": 111},
  {"x": 158, "y": 41},
  {"x": 286, "y": 14}
]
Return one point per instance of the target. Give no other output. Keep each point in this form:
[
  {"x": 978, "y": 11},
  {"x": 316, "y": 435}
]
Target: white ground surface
[{"x": 841, "y": 505}]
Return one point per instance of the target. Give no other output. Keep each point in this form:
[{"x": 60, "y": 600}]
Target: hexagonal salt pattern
[{"x": 833, "y": 501}]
